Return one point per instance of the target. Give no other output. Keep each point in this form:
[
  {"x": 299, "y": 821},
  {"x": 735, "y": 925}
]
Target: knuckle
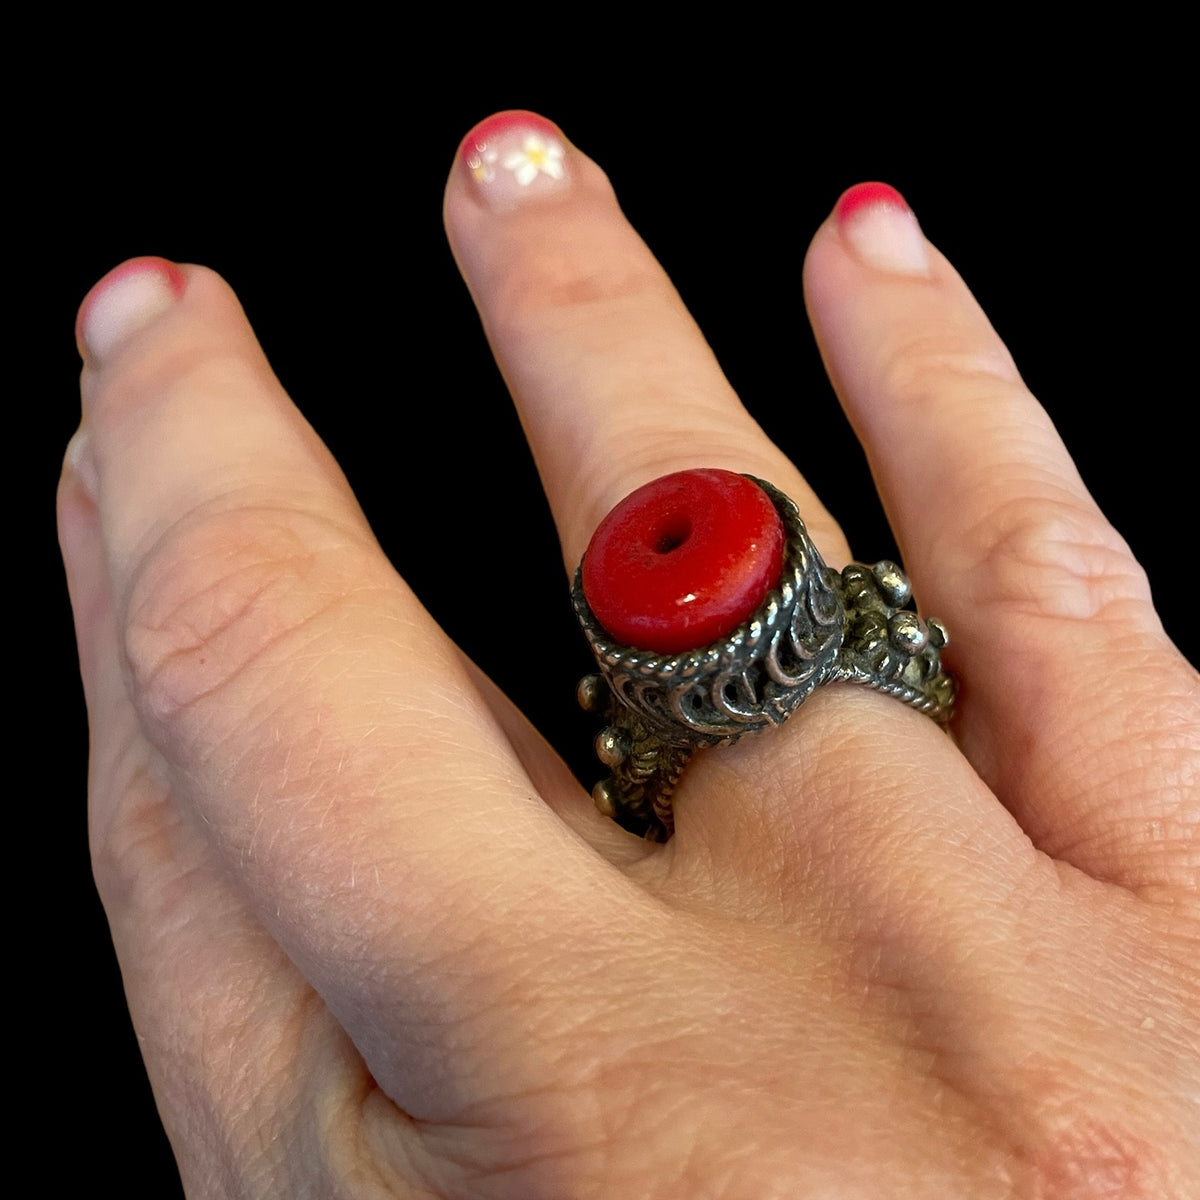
[
  {"x": 1046, "y": 550},
  {"x": 924, "y": 367},
  {"x": 553, "y": 278},
  {"x": 1051, "y": 556},
  {"x": 1083, "y": 1145},
  {"x": 219, "y": 593},
  {"x": 140, "y": 846}
]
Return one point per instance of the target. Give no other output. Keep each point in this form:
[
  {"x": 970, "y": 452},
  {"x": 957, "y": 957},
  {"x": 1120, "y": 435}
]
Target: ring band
[{"x": 816, "y": 626}]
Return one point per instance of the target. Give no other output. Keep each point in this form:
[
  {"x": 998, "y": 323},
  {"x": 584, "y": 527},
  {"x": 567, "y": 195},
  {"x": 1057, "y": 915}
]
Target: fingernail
[
  {"x": 882, "y": 230},
  {"x": 81, "y": 461},
  {"x": 126, "y": 299},
  {"x": 514, "y": 157}
]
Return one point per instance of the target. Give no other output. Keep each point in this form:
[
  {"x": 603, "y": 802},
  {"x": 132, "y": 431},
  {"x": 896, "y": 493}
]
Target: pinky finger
[{"x": 1077, "y": 710}]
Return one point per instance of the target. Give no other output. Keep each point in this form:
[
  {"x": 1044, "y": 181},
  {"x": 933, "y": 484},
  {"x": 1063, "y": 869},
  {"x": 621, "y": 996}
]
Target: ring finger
[
  {"x": 616, "y": 386},
  {"x": 613, "y": 380}
]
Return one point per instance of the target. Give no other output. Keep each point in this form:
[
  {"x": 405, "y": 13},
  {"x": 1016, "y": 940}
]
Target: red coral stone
[{"x": 683, "y": 561}]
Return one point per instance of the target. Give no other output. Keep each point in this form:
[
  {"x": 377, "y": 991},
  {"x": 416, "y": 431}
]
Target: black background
[{"x": 314, "y": 185}]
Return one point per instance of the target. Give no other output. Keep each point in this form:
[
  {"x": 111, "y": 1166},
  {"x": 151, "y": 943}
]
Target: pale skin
[{"x": 375, "y": 937}]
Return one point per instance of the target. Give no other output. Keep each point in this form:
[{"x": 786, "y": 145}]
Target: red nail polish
[
  {"x": 89, "y": 334},
  {"x": 513, "y": 157},
  {"x": 879, "y": 228},
  {"x": 684, "y": 560},
  {"x": 490, "y": 129},
  {"x": 867, "y": 195}
]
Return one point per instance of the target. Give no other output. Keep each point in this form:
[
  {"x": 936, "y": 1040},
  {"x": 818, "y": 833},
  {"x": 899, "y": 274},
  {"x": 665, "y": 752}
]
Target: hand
[{"x": 375, "y": 937}]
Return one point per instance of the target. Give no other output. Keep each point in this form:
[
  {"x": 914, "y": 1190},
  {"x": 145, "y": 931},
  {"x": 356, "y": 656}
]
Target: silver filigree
[{"x": 817, "y": 626}]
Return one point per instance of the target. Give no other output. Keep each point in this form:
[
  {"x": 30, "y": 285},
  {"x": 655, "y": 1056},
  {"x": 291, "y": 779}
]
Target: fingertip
[
  {"x": 513, "y": 158},
  {"x": 879, "y": 228},
  {"x": 482, "y": 137},
  {"x": 124, "y": 301},
  {"x": 866, "y": 195},
  {"x": 79, "y": 464}
]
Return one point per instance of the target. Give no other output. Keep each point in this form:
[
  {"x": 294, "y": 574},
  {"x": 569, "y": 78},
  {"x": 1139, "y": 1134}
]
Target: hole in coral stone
[{"x": 672, "y": 535}]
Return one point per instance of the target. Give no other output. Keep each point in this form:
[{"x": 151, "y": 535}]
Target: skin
[{"x": 377, "y": 941}]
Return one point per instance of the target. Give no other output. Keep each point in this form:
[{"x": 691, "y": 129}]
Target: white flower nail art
[
  {"x": 515, "y": 158},
  {"x": 537, "y": 156}
]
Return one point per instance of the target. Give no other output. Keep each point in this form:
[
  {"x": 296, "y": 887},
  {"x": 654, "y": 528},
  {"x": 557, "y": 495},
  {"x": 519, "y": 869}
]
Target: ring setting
[{"x": 809, "y": 625}]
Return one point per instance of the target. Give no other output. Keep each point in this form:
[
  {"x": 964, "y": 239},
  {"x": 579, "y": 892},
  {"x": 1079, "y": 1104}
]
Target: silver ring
[{"x": 817, "y": 626}]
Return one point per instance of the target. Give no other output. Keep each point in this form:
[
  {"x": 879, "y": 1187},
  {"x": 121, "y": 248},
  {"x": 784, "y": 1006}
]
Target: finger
[
  {"x": 332, "y": 743},
  {"x": 614, "y": 383},
  {"x": 1075, "y": 709},
  {"x": 196, "y": 971}
]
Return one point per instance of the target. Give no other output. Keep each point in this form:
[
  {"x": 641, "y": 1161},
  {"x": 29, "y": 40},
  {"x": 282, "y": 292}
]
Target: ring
[{"x": 712, "y": 615}]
